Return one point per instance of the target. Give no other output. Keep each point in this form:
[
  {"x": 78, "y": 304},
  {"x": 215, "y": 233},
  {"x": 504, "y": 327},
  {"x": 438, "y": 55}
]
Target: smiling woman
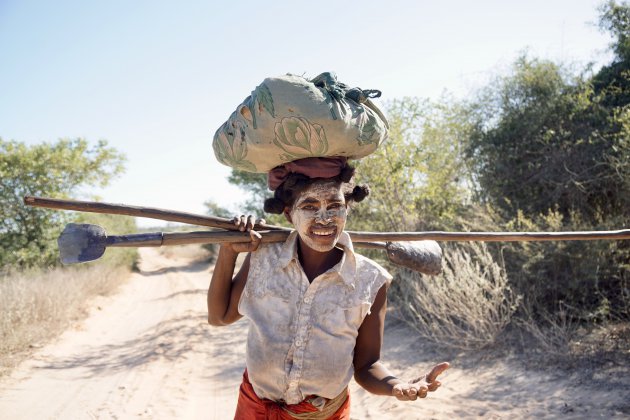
[{"x": 316, "y": 308}]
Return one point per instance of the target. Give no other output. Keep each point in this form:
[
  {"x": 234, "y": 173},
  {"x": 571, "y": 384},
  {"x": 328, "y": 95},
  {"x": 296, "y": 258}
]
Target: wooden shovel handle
[
  {"x": 206, "y": 237},
  {"x": 186, "y": 238},
  {"x": 183, "y": 238},
  {"x": 365, "y": 239},
  {"x": 490, "y": 236}
]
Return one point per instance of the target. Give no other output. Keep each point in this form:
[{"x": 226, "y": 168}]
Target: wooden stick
[
  {"x": 183, "y": 238},
  {"x": 148, "y": 212},
  {"x": 367, "y": 239},
  {"x": 491, "y": 236},
  {"x": 174, "y": 216}
]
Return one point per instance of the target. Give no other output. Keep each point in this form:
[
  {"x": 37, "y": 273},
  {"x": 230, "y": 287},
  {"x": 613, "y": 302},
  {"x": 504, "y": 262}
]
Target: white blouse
[{"x": 302, "y": 335}]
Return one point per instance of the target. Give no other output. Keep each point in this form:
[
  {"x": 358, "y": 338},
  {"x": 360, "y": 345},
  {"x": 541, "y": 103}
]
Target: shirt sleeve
[{"x": 375, "y": 277}]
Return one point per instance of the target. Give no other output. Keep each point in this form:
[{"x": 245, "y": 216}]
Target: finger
[
  {"x": 250, "y": 223},
  {"x": 256, "y": 240},
  {"x": 437, "y": 370},
  {"x": 241, "y": 223},
  {"x": 434, "y": 385},
  {"x": 422, "y": 392},
  {"x": 236, "y": 220},
  {"x": 420, "y": 387},
  {"x": 402, "y": 392},
  {"x": 412, "y": 394},
  {"x": 261, "y": 222},
  {"x": 398, "y": 393}
]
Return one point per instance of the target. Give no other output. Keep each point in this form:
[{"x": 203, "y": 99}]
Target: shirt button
[
  {"x": 298, "y": 343},
  {"x": 307, "y": 300}
]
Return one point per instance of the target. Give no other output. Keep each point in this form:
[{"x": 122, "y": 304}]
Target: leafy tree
[
  {"x": 256, "y": 185},
  {"x": 611, "y": 86},
  {"x": 213, "y": 209},
  {"x": 551, "y": 151},
  {"x": 613, "y": 80},
  {"x": 543, "y": 140},
  {"x": 28, "y": 234},
  {"x": 417, "y": 177}
]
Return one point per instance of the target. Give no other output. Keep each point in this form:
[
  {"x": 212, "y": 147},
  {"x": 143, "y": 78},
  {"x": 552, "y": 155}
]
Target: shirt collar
[{"x": 346, "y": 268}]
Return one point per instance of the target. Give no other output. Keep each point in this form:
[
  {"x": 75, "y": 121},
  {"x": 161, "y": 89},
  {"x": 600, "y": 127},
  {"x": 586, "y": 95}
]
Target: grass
[{"x": 39, "y": 304}]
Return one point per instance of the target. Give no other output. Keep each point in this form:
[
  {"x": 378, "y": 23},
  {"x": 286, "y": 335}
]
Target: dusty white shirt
[{"x": 302, "y": 335}]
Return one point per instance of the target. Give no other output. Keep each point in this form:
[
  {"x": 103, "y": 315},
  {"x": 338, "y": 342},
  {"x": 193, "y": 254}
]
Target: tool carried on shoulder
[{"x": 81, "y": 243}]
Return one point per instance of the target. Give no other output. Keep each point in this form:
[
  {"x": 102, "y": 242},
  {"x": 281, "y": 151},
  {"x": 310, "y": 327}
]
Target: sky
[{"x": 157, "y": 78}]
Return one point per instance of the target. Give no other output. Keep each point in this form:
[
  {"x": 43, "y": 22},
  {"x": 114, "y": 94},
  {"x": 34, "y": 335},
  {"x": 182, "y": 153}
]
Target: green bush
[{"x": 28, "y": 234}]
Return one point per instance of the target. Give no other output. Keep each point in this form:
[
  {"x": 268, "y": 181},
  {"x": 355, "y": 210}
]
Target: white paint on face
[{"x": 319, "y": 215}]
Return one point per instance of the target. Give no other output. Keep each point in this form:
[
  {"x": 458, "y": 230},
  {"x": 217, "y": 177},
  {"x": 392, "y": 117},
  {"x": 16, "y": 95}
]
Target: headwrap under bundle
[{"x": 289, "y": 119}]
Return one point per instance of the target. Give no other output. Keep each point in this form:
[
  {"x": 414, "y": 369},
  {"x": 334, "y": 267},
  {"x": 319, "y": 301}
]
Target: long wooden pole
[
  {"x": 491, "y": 236},
  {"x": 218, "y": 222},
  {"x": 148, "y": 212}
]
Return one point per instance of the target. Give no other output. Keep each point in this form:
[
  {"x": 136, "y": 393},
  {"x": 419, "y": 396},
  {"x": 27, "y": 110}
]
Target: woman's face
[{"x": 319, "y": 215}]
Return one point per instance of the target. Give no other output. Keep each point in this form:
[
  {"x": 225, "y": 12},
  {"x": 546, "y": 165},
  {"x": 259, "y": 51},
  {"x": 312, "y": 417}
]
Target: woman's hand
[
  {"x": 419, "y": 387},
  {"x": 224, "y": 291},
  {"x": 246, "y": 224}
]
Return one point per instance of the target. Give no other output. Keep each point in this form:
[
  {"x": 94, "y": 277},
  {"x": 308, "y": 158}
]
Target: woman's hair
[{"x": 285, "y": 195}]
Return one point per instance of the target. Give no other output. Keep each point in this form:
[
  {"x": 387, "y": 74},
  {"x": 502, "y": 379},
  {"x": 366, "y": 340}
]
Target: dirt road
[{"x": 147, "y": 352}]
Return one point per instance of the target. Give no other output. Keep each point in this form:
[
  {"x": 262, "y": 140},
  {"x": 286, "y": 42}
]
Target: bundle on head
[{"x": 290, "y": 117}]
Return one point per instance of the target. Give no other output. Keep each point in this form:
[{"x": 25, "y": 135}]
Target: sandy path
[
  {"x": 145, "y": 352},
  {"x": 148, "y": 352}
]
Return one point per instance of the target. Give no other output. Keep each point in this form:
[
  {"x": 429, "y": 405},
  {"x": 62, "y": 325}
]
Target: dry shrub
[
  {"x": 36, "y": 305},
  {"x": 466, "y": 307},
  {"x": 551, "y": 332}
]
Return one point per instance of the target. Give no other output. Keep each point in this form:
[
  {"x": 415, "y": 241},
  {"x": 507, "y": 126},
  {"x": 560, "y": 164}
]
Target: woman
[{"x": 316, "y": 308}]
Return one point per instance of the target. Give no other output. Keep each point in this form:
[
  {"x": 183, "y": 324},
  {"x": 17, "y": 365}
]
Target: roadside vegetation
[{"x": 39, "y": 298}]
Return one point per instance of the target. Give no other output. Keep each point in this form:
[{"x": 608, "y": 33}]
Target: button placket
[{"x": 299, "y": 342}]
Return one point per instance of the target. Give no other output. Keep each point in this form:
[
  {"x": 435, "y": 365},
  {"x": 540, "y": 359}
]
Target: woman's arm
[
  {"x": 224, "y": 292},
  {"x": 368, "y": 370}
]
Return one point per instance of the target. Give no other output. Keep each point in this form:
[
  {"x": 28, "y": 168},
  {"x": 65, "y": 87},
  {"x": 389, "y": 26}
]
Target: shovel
[
  {"x": 85, "y": 242},
  {"x": 430, "y": 252},
  {"x": 218, "y": 222}
]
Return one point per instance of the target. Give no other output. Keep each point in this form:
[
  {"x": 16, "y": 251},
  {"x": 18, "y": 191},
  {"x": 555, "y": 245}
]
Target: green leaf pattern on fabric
[
  {"x": 230, "y": 147},
  {"x": 261, "y": 96},
  {"x": 299, "y": 138},
  {"x": 249, "y": 102}
]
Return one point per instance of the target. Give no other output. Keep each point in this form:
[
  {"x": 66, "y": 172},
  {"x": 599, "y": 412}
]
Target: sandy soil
[{"x": 147, "y": 352}]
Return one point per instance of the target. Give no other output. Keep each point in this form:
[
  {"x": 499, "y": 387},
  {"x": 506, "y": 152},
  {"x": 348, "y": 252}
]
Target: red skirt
[{"x": 251, "y": 407}]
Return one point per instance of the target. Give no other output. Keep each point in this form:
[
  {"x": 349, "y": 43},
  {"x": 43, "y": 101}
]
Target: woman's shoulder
[
  {"x": 267, "y": 252},
  {"x": 367, "y": 267}
]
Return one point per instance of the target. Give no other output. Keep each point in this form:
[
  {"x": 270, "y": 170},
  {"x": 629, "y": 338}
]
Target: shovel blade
[{"x": 80, "y": 242}]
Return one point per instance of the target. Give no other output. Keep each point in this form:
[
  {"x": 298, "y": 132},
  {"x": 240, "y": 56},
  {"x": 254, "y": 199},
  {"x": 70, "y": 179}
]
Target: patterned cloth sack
[{"x": 289, "y": 117}]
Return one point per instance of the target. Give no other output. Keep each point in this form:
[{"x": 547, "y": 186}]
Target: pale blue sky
[{"x": 157, "y": 78}]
